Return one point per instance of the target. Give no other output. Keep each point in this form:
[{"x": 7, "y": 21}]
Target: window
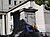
[
  {"x": 14, "y": 2},
  {"x": 0, "y": 16},
  {"x": 11, "y": 28},
  {"x": 0, "y": 19},
  {"x": 20, "y": 1},
  {"x": 9, "y": 8},
  {"x": 9, "y": 2},
  {"x": 5, "y": 23}
]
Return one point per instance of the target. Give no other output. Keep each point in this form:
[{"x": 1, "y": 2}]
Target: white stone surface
[
  {"x": 0, "y": 24},
  {"x": 4, "y": 4},
  {"x": 3, "y": 26},
  {"x": 40, "y": 22},
  {"x": 40, "y": 18}
]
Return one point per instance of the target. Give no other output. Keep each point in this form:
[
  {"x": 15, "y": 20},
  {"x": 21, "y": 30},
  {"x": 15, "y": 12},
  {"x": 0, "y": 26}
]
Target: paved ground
[{"x": 18, "y": 34}]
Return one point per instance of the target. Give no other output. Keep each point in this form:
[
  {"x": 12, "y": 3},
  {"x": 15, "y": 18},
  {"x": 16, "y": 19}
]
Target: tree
[
  {"x": 39, "y": 2},
  {"x": 44, "y": 2},
  {"x": 49, "y": 3}
]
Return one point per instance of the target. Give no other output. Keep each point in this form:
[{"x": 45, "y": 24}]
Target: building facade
[
  {"x": 42, "y": 16},
  {"x": 5, "y": 6}
]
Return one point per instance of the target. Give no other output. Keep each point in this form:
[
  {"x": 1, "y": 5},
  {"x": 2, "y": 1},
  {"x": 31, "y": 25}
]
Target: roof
[
  {"x": 2, "y": 12},
  {"x": 18, "y": 6},
  {"x": 30, "y": 10},
  {"x": 23, "y": 9}
]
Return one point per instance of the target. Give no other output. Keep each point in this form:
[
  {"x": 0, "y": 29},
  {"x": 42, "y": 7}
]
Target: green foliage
[
  {"x": 39, "y": 2},
  {"x": 49, "y": 3}
]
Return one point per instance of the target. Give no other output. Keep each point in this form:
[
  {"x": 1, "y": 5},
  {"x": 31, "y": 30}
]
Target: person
[
  {"x": 45, "y": 35},
  {"x": 29, "y": 28},
  {"x": 35, "y": 28},
  {"x": 35, "y": 31},
  {"x": 41, "y": 34},
  {"x": 29, "y": 31}
]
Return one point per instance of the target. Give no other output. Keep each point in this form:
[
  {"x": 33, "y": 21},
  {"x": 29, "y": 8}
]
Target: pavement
[{"x": 16, "y": 35}]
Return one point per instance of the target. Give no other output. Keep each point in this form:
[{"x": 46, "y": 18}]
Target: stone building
[
  {"x": 42, "y": 17},
  {"x": 5, "y": 6}
]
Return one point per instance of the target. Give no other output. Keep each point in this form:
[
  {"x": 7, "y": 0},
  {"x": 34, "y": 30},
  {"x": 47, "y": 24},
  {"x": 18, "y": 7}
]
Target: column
[
  {"x": 0, "y": 23},
  {"x": 3, "y": 26},
  {"x": 8, "y": 24},
  {"x": 40, "y": 21}
]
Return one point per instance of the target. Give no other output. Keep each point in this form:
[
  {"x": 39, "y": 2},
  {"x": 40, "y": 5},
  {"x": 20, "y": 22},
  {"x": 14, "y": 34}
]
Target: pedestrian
[
  {"x": 35, "y": 28},
  {"x": 41, "y": 34},
  {"x": 46, "y": 35}
]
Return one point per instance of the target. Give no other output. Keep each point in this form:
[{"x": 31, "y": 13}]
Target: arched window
[{"x": 9, "y": 2}]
